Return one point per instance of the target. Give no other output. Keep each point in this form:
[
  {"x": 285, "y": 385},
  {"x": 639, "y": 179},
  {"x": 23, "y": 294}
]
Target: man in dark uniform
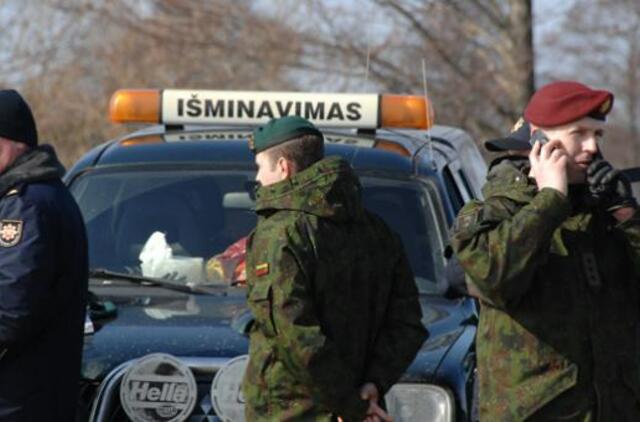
[
  {"x": 337, "y": 313},
  {"x": 554, "y": 250},
  {"x": 43, "y": 275}
]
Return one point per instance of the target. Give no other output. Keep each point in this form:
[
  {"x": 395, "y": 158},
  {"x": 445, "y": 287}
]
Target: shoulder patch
[
  {"x": 467, "y": 218},
  {"x": 10, "y": 232},
  {"x": 262, "y": 269}
]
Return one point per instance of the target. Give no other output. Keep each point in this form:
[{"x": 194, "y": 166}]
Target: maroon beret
[{"x": 563, "y": 102}]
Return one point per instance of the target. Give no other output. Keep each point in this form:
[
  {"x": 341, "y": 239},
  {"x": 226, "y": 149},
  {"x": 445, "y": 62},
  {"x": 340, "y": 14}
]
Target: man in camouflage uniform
[
  {"x": 554, "y": 251},
  {"x": 515, "y": 148},
  {"x": 337, "y": 313}
]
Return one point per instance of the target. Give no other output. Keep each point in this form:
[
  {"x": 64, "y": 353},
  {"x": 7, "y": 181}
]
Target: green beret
[{"x": 281, "y": 130}]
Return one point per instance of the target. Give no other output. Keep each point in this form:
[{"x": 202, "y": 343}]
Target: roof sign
[{"x": 253, "y": 108}]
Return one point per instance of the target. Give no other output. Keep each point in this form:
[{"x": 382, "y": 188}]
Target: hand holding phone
[{"x": 549, "y": 164}]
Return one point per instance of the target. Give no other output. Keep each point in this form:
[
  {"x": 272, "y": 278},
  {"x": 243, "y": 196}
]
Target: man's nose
[{"x": 590, "y": 145}]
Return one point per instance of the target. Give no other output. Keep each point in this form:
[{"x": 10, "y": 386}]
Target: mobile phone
[{"x": 538, "y": 136}]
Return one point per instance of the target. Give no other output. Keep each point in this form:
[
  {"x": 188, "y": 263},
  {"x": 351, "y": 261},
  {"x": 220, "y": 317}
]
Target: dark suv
[{"x": 167, "y": 209}]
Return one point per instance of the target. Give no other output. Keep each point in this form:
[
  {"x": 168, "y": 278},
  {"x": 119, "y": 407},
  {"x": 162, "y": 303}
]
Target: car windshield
[{"x": 191, "y": 225}]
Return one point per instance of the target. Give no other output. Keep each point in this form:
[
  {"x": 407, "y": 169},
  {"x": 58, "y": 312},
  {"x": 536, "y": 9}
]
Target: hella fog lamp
[{"x": 419, "y": 402}]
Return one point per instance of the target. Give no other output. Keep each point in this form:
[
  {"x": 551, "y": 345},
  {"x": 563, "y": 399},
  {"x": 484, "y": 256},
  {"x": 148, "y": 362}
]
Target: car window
[
  {"x": 452, "y": 188},
  {"x": 197, "y": 215},
  {"x": 406, "y": 207},
  {"x": 466, "y": 184}
]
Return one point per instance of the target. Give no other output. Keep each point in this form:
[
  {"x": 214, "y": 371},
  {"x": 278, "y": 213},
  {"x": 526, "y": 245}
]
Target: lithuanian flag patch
[{"x": 262, "y": 269}]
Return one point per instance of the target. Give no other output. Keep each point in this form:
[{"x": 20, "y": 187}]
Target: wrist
[
  {"x": 552, "y": 205},
  {"x": 613, "y": 203},
  {"x": 562, "y": 189},
  {"x": 623, "y": 214}
]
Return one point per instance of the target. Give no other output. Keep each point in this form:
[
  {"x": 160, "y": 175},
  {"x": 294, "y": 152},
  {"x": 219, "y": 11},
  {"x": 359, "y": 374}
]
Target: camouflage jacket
[
  {"x": 334, "y": 298},
  {"x": 558, "y": 330}
]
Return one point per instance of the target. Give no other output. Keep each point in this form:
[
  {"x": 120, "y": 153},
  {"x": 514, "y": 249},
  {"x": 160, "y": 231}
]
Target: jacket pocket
[
  {"x": 261, "y": 304},
  {"x": 544, "y": 388}
]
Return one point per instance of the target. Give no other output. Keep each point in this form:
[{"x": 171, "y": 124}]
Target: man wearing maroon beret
[{"x": 554, "y": 250}]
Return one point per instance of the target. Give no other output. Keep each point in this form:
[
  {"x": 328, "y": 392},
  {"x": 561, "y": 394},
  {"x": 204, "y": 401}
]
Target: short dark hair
[{"x": 303, "y": 151}]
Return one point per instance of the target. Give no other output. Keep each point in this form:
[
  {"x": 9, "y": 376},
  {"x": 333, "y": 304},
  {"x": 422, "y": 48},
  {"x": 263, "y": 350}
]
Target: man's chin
[{"x": 577, "y": 176}]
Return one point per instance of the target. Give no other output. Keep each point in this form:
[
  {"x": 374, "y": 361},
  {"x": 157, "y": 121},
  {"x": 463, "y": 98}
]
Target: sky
[{"x": 547, "y": 16}]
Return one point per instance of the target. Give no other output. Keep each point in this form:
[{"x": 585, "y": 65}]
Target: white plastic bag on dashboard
[
  {"x": 154, "y": 254},
  {"x": 157, "y": 261}
]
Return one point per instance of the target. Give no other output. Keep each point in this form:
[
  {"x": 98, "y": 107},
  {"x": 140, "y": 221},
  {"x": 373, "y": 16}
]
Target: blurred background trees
[
  {"x": 69, "y": 56},
  {"x": 598, "y": 42},
  {"x": 478, "y": 54}
]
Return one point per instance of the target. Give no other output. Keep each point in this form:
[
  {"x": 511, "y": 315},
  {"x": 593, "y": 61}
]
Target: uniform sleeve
[
  {"x": 26, "y": 275},
  {"x": 631, "y": 231},
  {"x": 304, "y": 345},
  {"x": 500, "y": 249},
  {"x": 402, "y": 332}
]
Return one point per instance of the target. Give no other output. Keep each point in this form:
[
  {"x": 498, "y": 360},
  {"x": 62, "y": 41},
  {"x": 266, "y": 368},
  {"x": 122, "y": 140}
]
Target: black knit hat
[{"x": 16, "y": 121}]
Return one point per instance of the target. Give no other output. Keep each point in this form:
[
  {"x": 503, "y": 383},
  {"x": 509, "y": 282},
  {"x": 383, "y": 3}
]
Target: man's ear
[{"x": 286, "y": 167}]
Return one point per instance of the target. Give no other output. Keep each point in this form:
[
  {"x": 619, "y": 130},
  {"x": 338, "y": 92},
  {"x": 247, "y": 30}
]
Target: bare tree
[
  {"x": 68, "y": 56},
  {"x": 479, "y": 54},
  {"x": 92, "y": 48}
]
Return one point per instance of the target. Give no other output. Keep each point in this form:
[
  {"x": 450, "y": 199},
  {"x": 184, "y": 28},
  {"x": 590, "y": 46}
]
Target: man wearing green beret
[{"x": 336, "y": 306}]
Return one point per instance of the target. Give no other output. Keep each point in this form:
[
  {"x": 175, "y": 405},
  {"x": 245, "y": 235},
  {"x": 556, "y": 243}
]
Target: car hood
[
  {"x": 153, "y": 320},
  {"x": 446, "y": 320}
]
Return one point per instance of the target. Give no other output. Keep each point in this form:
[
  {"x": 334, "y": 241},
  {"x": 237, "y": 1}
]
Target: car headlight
[{"x": 419, "y": 402}]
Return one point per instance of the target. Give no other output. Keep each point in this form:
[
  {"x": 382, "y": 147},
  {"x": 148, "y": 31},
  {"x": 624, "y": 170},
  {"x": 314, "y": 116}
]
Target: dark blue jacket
[{"x": 43, "y": 288}]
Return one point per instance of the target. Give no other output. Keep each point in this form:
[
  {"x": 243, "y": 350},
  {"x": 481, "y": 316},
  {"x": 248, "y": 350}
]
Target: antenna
[
  {"x": 367, "y": 66},
  {"x": 427, "y": 109},
  {"x": 368, "y": 62},
  {"x": 366, "y": 71}
]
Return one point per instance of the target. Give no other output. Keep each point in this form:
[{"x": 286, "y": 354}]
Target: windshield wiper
[{"x": 134, "y": 278}]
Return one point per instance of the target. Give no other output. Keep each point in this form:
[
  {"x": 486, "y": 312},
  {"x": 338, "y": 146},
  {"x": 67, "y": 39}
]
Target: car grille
[
  {"x": 111, "y": 410},
  {"x": 203, "y": 411}
]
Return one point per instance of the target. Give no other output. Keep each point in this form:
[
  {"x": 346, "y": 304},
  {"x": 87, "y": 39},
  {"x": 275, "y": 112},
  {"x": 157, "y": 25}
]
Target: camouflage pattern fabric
[
  {"x": 558, "y": 331},
  {"x": 334, "y": 298}
]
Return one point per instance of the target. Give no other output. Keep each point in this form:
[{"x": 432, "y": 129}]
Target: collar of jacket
[
  {"x": 508, "y": 176},
  {"x": 37, "y": 164},
  {"x": 328, "y": 189}
]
